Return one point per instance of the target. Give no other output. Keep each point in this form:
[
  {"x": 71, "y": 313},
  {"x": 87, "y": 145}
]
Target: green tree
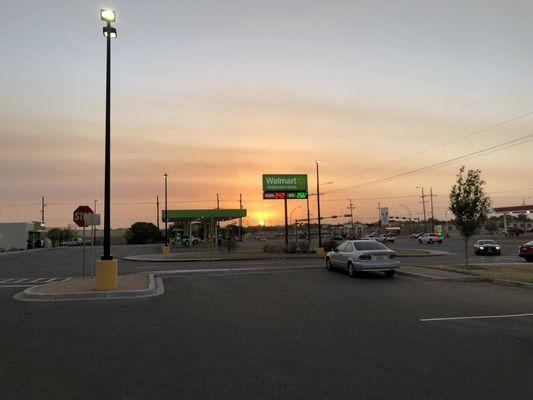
[
  {"x": 142, "y": 232},
  {"x": 469, "y": 204},
  {"x": 491, "y": 226},
  {"x": 58, "y": 235}
]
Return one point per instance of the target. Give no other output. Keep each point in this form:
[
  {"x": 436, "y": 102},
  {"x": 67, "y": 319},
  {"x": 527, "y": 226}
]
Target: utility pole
[
  {"x": 240, "y": 219},
  {"x": 424, "y": 208},
  {"x": 42, "y": 209},
  {"x": 218, "y": 202},
  {"x": 351, "y": 207},
  {"x": 432, "y": 215},
  {"x": 157, "y": 207},
  {"x": 317, "y": 162},
  {"x": 308, "y": 223},
  {"x": 286, "y": 223},
  {"x": 379, "y": 216}
]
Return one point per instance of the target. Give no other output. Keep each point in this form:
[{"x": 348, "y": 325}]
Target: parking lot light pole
[
  {"x": 166, "y": 210},
  {"x": 107, "y": 268},
  {"x": 317, "y": 162}
]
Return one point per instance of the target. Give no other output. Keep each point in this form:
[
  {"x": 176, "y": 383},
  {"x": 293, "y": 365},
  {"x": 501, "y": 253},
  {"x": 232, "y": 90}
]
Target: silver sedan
[{"x": 363, "y": 255}]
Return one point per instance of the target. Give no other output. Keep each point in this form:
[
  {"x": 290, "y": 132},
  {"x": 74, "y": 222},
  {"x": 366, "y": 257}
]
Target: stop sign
[{"x": 78, "y": 215}]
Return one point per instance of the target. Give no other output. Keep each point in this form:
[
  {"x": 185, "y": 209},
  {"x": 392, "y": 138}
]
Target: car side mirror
[{"x": 336, "y": 249}]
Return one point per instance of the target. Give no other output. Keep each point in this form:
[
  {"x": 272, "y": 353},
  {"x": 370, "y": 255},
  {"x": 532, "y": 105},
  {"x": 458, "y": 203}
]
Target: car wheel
[
  {"x": 419, "y": 241},
  {"x": 389, "y": 274},
  {"x": 195, "y": 242},
  {"x": 351, "y": 270},
  {"x": 529, "y": 258},
  {"x": 328, "y": 264}
]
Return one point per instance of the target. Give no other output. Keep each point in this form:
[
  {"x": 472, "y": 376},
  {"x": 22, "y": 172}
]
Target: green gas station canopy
[{"x": 203, "y": 215}]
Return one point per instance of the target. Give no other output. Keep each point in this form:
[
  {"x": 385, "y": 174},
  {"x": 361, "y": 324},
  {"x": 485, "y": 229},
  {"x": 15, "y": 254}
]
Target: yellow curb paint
[
  {"x": 106, "y": 274},
  {"x": 320, "y": 251},
  {"x": 166, "y": 250}
]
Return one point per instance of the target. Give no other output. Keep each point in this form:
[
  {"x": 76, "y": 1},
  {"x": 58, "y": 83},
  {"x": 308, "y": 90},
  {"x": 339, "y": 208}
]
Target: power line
[
  {"x": 478, "y": 153},
  {"x": 475, "y": 133}
]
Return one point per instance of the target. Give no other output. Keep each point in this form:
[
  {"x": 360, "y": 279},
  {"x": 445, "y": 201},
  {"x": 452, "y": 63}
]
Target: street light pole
[
  {"x": 317, "y": 162},
  {"x": 107, "y": 186},
  {"x": 108, "y": 16},
  {"x": 166, "y": 211},
  {"x": 107, "y": 267}
]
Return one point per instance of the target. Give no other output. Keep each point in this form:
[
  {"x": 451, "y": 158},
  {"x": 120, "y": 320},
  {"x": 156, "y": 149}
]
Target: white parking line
[
  {"x": 37, "y": 280},
  {"x": 7, "y": 280},
  {"x": 20, "y": 280},
  {"x": 12, "y": 286},
  {"x": 50, "y": 280},
  {"x": 477, "y": 317}
]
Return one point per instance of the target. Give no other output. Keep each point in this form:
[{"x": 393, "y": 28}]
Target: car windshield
[
  {"x": 487, "y": 242},
  {"x": 369, "y": 246}
]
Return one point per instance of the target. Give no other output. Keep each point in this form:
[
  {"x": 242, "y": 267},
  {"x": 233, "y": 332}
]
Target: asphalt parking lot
[{"x": 274, "y": 335}]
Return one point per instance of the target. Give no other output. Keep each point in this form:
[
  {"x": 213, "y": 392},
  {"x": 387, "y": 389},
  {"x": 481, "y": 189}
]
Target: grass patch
[
  {"x": 509, "y": 272},
  {"x": 404, "y": 252}
]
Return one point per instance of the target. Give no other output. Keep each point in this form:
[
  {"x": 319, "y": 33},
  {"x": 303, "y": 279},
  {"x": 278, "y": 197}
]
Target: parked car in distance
[
  {"x": 415, "y": 235},
  {"x": 429, "y": 238},
  {"x": 72, "y": 242},
  {"x": 510, "y": 232},
  {"x": 261, "y": 238},
  {"x": 526, "y": 251},
  {"x": 363, "y": 255},
  {"x": 385, "y": 239},
  {"x": 369, "y": 237},
  {"x": 190, "y": 240},
  {"x": 486, "y": 246}
]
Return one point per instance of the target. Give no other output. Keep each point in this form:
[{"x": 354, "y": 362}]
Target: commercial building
[{"x": 20, "y": 235}]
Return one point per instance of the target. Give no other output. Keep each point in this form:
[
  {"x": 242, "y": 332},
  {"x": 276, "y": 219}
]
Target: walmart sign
[{"x": 285, "y": 183}]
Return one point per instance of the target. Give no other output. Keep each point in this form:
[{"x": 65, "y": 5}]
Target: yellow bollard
[
  {"x": 106, "y": 274},
  {"x": 320, "y": 251},
  {"x": 166, "y": 250}
]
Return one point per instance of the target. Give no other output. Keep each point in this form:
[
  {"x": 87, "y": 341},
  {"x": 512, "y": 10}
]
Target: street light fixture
[
  {"x": 107, "y": 267},
  {"x": 108, "y": 15},
  {"x": 290, "y": 214}
]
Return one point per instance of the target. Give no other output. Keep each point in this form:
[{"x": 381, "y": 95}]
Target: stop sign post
[{"x": 79, "y": 219}]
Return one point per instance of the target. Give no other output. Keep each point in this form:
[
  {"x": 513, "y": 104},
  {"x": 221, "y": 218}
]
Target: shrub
[{"x": 303, "y": 246}]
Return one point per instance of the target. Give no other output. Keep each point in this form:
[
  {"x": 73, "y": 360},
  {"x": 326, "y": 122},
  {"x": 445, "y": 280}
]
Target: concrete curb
[
  {"x": 443, "y": 278},
  {"x": 155, "y": 288},
  {"x": 512, "y": 283},
  {"x": 165, "y": 260},
  {"x": 224, "y": 271}
]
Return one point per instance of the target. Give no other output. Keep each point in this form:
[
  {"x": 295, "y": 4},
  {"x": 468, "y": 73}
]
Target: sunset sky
[{"x": 217, "y": 93}]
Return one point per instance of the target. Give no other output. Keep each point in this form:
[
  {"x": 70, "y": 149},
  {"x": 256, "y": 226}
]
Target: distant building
[{"x": 20, "y": 235}]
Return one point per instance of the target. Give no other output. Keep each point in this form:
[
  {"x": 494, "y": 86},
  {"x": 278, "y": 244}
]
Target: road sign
[
  {"x": 78, "y": 215},
  {"x": 384, "y": 212},
  {"x": 91, "y": 219},
  {"x": 285, "y": 183}
]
